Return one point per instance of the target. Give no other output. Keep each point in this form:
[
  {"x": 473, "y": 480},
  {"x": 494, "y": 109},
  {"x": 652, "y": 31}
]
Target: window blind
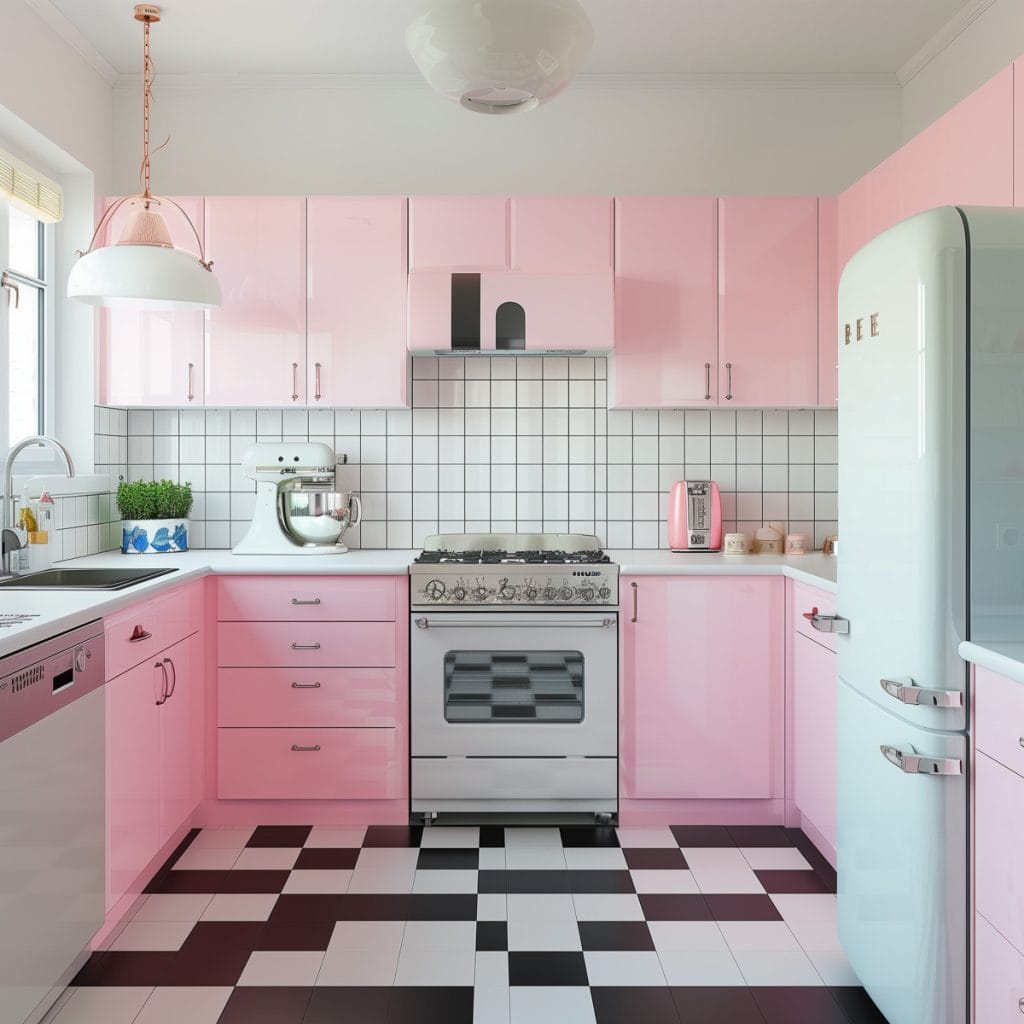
[{"x": 30, "y": 190}]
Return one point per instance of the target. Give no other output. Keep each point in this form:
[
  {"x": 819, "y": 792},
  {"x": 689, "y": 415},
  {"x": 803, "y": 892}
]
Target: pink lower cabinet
[
  {"x": 701, "y": 712},
  {"x": 998, "y": 977}
]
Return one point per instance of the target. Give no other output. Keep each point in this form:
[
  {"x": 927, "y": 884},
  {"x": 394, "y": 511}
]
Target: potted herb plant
[{"x": 154, "y": 516}]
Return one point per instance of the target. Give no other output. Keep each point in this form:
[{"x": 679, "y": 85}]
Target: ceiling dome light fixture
[
  {"x": 144, "y": 269},
  {"x": 500, "y": 56}
]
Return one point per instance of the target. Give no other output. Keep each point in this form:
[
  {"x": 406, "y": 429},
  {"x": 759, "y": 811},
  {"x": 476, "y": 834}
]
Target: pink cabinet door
[
  {"x": 768, "y": 300},
  {"x": 458, "y": 233},
  {"x": 966, "y": 156},
  {"x": 814, "y": 728},
  {"x": 1018, "y": 133},
  {"x": 307, "y": 644},
  {"x": 868, "y": 207},
  {"x": 999, "y": 718},
  {"x": 828, "y": 301},
  {"x": 148, "y": 357},
  {"x": 308, "y": 598},
  {"x": 357, "y": 255},
  {"x": 998, "y": 977},
  {"x": 666, "y": 306},
  {"x": 181, "y": 745},
  {"x": 561, "y": 234},
  {"x": 256, "y": 340},
  {"x": 701, "y": 687},
  {"x": 133, "y": 776}
]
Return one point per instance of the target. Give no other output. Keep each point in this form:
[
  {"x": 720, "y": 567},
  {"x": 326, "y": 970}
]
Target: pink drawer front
[
  {"x": 805, "y": 600},
  {"x": 142, "y": 629},
  {"x": 307, "y": 697},
  {"x": 310, "y": 764},
  {"x": 998, "y": 977},
  {"x": 307, "y": 598},
  {"x": 306, "y": 644},
  {"x": 999, "y": 718}
]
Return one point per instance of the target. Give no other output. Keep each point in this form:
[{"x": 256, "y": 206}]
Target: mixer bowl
[{"x": 318, "y": 518}]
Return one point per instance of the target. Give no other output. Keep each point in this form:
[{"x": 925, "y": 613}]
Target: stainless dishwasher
[{"x": 52, "y": 819}]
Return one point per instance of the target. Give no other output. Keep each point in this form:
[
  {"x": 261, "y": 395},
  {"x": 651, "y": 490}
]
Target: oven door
[{"x": 510, "y": 684}]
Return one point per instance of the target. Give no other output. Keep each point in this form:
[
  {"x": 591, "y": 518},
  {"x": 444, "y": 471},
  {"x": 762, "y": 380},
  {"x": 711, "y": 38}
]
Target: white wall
[
  {"x": 301, "y": 137},
  {"x": 986, "y": 46}
]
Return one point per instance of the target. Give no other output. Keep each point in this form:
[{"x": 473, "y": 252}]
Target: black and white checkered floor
[{"x": 394, "y": 925}]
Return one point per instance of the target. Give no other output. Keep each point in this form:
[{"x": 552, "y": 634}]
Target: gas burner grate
[{"x": 16, "y": 618}]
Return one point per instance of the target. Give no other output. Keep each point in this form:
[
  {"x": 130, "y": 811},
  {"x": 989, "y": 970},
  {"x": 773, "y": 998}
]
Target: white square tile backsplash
[{"x": 500, "y": 443}]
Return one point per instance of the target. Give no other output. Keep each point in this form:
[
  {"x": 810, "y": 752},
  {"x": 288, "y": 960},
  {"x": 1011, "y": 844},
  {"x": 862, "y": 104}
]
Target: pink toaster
[{"x": 695, "y": 516}]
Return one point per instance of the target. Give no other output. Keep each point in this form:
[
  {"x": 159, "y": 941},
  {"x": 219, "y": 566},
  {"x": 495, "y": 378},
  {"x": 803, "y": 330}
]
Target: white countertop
[
  {"x": 1005, "y": 659},
  {"x": 60, "y": 610}
]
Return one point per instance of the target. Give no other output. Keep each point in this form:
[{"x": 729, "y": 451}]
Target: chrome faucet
[{"x": 10, "y": 508}]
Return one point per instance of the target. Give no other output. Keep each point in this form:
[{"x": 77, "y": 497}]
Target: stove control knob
[
  {"x": 604, "y": 593},
  {"x": 587, "y": 593},
  {"x": 459, "y": 593},
  {"x": 565, "y": 593},
  {"x": 507, "y": 592},
  {"x": 550, "y": 593},
  {"x": 480, "y": 593},
  {"x": 435, "y": 590},
  {"x": 530, "y": 593}
]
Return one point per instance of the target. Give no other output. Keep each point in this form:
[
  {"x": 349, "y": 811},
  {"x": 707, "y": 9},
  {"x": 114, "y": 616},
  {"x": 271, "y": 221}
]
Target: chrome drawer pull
[
  {"x": 297, "y": 600},
  {"x": 305, "y": 647},
  {"x": 305, "y": 686},
  {"x": 827, "y": 623},
  {"x": 312, "y": 749},
  {"x": 909, "y": 693},
  {"x": 914, "y": 764},
  {"x": 139, "y": 633}
]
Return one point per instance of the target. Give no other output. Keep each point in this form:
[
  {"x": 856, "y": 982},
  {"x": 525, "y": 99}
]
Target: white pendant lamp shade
[{"x": 500, "y": 56}]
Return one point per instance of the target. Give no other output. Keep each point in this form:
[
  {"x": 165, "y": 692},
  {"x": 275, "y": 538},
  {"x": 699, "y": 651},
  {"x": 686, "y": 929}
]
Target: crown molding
[
  {"x": 953, "y": 28},
  {"x": 413, "y": 80},
  {"x": 67, "y": 31}
]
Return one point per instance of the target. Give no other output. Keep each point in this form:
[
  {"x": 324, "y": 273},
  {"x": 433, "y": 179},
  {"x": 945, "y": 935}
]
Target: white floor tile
[
  {"x": 208, "y": 859},
  {"x": 491, "y": 971},
  {"x": 445, "y": 881},
  {"x": 358, "y": 967},
  {"x": 530, "y": 858},
  {"x": 177, "y": 1004},
  {"x": 382, "y": 880},
  {"x": 548, "y": 906},
  {"x": 380, "y": 935},
  {"x": 331, "y": 837},
  {"x": 114, "y": 1004},
  {"x": 490, "y": 1004},
  {"x": 664, "y": 881},
  {"x": 282, "y": 967},
  {"x": 172, "y": 906},
  {"x": 598, "y": 858},
  {"x": 833, "y": 967},
  {"x": 624, "y": 968},
  {"x": 776, "y": 967},
  {"x": 436, "y": 967},
  {"x": 812, "y": 906},
  {"x": 221, "y": 839},
  {"x": 152, "y": 936},
  {"x": 775, "y": 858},
  {"x": 687, "y": 936},
  {"x": 240, "y": 906},
  {"x": 533, "y": 839},
  {"x": 492, "y": 906},
  {"x": 816, "y": 935},
  {"x": 447, "y": 936},
  {"x": 435, "y": 838},
  {"x": 267, "y": 858},
  {"x": 492, "y": 858},
  {"x": 727, "y": 880},
  {"x": 647, "y": 837},
  {"x": 607, "y": 907},
  {"x": 333, "y": 881},
  {"x": 700, "y": 967},
  {"x": 758, "y": 935},
  {"x": 543, "y": 936},
  {"x": 550, "y": 1005},
  {"x": 387, "y": 858},
  {"x": 715, "y": 858}
]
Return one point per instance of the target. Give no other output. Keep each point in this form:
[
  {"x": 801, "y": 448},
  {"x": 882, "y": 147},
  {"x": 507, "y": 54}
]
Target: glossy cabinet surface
[
  {"x": 561, "y": 234},
  {"x": 666, "y": 306},
  {"x": 256, "y": 340},
  {"x": 306, "y": 643},
  {"x": 701, "y": 687},
  {"x": 356, "y": 347},
  {"x": 182, "y": 743},
  {"x": 306, "y": 598},
  {"x": 1018, "y": 133},
  {"x": 868, "y": 207},
  {"x": 999, "y": 718},
  {"x": 458, "y": 233},
  {"x": 999, "y": 977},
  {"x": 828, "y": 301},
  {"x": 768, "y": 300}
]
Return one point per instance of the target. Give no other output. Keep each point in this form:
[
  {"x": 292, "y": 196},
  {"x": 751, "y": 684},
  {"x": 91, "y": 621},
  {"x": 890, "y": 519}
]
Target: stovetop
[{"x": 513, "y": 557}]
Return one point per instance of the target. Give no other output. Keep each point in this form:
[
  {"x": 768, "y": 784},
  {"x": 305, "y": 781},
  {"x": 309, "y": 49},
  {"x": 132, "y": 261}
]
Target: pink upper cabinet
[
  {"x": 357, "y": 297},
  {"x": 458, "y": 233},
  {"x": 666, "y": 332},
  {"x": 256, "y": 340},
  {"x": 828, "y": 302},
  {"x": 147, "y": 357},
  {"x": 868, "y": 207},
  {"x": 966, "y": 156},
  {"x": 561, "y": 234},
  {"x": 768, "y": 301}
]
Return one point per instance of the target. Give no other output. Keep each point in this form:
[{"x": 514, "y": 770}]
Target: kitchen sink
[{"x": 82, "y": 579}]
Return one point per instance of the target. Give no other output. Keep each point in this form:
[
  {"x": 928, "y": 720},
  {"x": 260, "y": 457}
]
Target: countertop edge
[{"x": 994, "y": 661}]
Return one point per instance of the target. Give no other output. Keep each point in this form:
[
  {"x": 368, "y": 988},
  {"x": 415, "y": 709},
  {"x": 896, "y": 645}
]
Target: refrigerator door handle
[
  {"x": 908, "y": 692},
  {"x": 915, "y": 764}
]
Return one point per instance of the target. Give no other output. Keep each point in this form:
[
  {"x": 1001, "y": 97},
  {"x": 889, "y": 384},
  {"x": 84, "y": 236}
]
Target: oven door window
[{"x": 513, "y": 686}]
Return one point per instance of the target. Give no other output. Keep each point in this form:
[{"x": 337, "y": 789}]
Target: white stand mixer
[{"x": 298, "y": 509}]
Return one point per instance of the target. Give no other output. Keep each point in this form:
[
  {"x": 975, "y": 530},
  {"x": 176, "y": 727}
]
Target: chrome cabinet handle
[
  {"x": 163, "y": 689},
  {"x": 313, "y": 748},
  {"x": 295, "y": 382},
  {"x": 827, "y": 623},
  {"x": 707, "y": 380},
  {"x": 915, "y": 764},
  {"x": 174, "y": 677},
  {"x": 305, "y": 647},
  {"x": 422, "y": 622},
  {"x": 305, "y": 686},
  {"x": 636, "y": 591},
  {"x": 191, "y": 389},
  {"x": 299, "y": 600},
  {"x": 316, "y": 376},
  {"x": 728, "y": 386},
  {"x": 139, "y": 633},
  {"x": 908, "y": 692},
  {"x": 6, "y": 282}
]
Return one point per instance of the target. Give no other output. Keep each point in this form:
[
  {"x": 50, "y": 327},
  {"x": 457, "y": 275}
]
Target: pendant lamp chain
[{"x": 147, "y": 85}]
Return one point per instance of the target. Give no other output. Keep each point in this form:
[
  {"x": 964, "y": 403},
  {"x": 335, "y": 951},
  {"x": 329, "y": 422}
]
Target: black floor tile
[
  {"x": 615, "y": 935},
  {"x": 759, "y": 835},
  {"x": 327, "y": 859},
  {"x": 279, "y": 835},
  {"x": 348, "y": 1005},
  {"x": 430, "y": 1005},
  {"x": 547, "y": 969},
  {"x": 438, "y": 907},
  {"x": 298, "y": 935},
  {"x": 675, "y": 907},
  {"x": 203, "y": 968},
  {"x": 373, "y": 907},
  {"x": 300, "y": 907},
  {"x": 741, "y": 907},
  {"x": 126, "y": 969},
  {"x": 858, "y": 1005},
  {"x": 666, "y": 859},
  {"x": 702, "y": 835},
  {"x": 731, "y": 1005},
  {"x": 448, "y": 859},
  {"x": 186, "y": 881},
  {"x": 492, "y": 881},
  {"x": 783, "y": 1005},
  {"x": 180, "y": 849},
  {"x": 791, "y": 881},
  {"x": 210, "y": 937},
  {"x": 491, "y": 935},
  {"x": 250, "y": 881},
  {"x": 814, "y": 857},
  {"x": 600, "y": 881},
  {"x": 537, "y": 881},
  {"x": 633, "y": 1005},
  {"x": 492, "y": 836},
  {"x": 393, "y": 835},
  {"x": 581, "y": 836},
  {"x": 265, "y": 1005}
]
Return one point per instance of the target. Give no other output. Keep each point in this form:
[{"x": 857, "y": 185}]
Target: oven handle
[{"x": 422, "y": 622}]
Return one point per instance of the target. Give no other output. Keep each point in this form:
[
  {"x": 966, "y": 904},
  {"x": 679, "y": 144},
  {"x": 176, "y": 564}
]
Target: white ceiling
[{"x": 631, "y": 36}]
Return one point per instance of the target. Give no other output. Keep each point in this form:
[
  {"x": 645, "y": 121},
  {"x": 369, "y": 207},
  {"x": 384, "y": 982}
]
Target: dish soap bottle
[{"x": 39, "y": 550}]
